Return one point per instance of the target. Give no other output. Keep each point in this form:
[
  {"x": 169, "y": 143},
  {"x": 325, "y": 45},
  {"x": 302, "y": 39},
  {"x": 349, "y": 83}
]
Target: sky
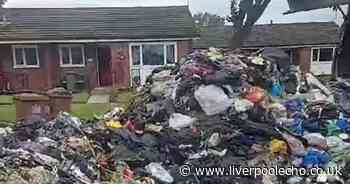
[{"x": 219, "y": 7}]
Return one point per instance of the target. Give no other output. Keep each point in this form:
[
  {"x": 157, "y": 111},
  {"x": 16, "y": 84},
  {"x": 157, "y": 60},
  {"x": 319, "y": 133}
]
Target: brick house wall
[
  {"x": 304, "y": 58},
  {"x": 50, "y": 74},
  {"x": 28, "y": 78},
  {"x": 183, "y": 48}
]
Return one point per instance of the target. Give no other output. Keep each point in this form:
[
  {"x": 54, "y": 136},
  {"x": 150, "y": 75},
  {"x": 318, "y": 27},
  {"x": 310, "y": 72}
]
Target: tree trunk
[
  {"x": 244, "y": 18},
  {"x": 239, "y": 36},
  {"x": 340, "y": 67}
]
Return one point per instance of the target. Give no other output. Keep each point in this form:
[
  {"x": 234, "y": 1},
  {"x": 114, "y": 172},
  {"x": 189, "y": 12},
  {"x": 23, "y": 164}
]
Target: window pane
[
  {"x": 136, "y": 77},
  {"x": 65, "y": 55},
  {"x": 326, "y": 54},
  {"x": 135, "y": 55},
  {"x": 19, "y": 56},
  {"x": 153, "y": 54},
  {"x": 170, "y": 54},
  {"x": 77, "y": 56},
  {"x": 315, "y": 54},
  {"x": 31, "y": 56}
]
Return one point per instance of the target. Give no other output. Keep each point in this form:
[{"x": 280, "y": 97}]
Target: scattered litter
[
  {"x": 212, "y": 99},
  {"x": 178, "y": 121},
  {"x": 279, "y": 147},
  {"x": 214, "y": 140},
  {"x": 216, "y": 108},
  {"x": 159, "y": 172},
  {"x": 242, "y": 105}
]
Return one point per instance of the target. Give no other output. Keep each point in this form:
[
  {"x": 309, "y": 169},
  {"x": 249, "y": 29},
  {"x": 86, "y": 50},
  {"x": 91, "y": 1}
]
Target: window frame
[
  {"x": 291, "y": 54},
  {"x": 139, "y": 66},
  {"x": 140, "y": 44},
  {"x": 319, "y": 53},
  {"x": 69, "y": 46},
  {"x": 25, "y": 65}
]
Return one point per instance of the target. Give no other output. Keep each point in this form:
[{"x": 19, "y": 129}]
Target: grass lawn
[
  {"x": 87, "y": 111},
  {"x": 80, "y": 98},
  {"x": 7, "y": 110},
  {"x": 6, "y": 100},
  {"x": 122, "y": 97},
  {"x": 7, "y": 113}
]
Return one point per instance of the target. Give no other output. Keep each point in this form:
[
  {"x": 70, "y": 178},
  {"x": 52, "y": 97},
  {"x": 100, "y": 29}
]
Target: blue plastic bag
[
  {"x": 343, "y": 124},
  {"x": 276, "y": 90},
  {"x": 295, "y": 105},
  {"x": 297, "y": 127},
  {"x": 315, "y": 158}
]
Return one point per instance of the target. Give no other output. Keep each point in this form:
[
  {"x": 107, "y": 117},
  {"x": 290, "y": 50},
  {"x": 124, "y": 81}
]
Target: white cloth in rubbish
[
  {"x": 296, "y": 146},
  {"x": 312, "y": 80},
  {"x": 214, "y": 140},
  {"x": 212, "y": 99},
  {"x": 159, "y": 172},
  {"x": 178, "y": 121},
  {"x": 316, "y": 139},
  {"x": 242, "y": 105}
]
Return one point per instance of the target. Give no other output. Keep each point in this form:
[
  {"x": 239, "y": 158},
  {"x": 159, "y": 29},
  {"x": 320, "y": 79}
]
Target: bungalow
[
  {"x": 311, "y": 45},
  {"x": 90, "y": 47}
]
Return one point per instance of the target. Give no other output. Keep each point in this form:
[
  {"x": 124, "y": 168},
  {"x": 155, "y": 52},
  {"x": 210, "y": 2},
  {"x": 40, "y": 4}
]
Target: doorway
[{"x": 104, "y": 66}]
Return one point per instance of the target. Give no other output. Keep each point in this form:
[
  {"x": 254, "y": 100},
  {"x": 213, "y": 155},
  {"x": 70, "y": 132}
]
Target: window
[
  {"x": 136, "y": 55},
  {"x": 26, "y": 56},
  {"x": 136, "y": 76},
  {"x": 151, "y": 54},
  {"x": 290, "y": 53},
  {"x": 72, "y": 55},
  {"x": 323, "y": 54},
  {"x": 170, "y": 53},
  {"x": 326, "y": 54}
]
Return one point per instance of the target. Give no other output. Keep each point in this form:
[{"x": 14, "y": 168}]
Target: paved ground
[
  {"x": 101, "y": 91},
  {"x": 99, "y": 99}
]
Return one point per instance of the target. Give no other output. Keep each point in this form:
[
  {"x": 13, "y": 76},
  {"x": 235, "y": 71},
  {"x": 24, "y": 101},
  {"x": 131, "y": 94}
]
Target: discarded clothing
[{"x": 279, "y": 147}]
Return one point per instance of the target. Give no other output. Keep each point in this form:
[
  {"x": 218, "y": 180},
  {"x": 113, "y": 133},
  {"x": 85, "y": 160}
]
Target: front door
[{"x": 104, "y": 66}]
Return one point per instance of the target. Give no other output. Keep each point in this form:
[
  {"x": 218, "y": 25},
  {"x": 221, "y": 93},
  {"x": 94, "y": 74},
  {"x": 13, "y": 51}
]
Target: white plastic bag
[
  {"x": 214, "y": 140},
  {"x": 159, "y": 172},
  {"x": 212, "y": 99},
  {"x": 178, "y": 121}
]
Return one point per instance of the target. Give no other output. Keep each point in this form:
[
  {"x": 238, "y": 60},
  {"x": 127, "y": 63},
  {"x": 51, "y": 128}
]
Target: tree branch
[{"x": 244, "y": 14}]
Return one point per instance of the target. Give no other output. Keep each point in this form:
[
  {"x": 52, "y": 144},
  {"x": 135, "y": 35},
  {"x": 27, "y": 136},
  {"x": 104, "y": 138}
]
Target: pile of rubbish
[{"x": 215, "y": 109}]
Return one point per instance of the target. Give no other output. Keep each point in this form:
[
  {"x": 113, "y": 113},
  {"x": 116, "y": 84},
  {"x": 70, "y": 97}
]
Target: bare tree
[
  {"x": 244, "y": 14},
  {"x": 2, "y": 2}
]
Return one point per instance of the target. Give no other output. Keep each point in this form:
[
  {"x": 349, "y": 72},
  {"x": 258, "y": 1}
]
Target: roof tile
[
  {"x": 97, "y": 23},
  {"x": 270, "y": 35}
]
